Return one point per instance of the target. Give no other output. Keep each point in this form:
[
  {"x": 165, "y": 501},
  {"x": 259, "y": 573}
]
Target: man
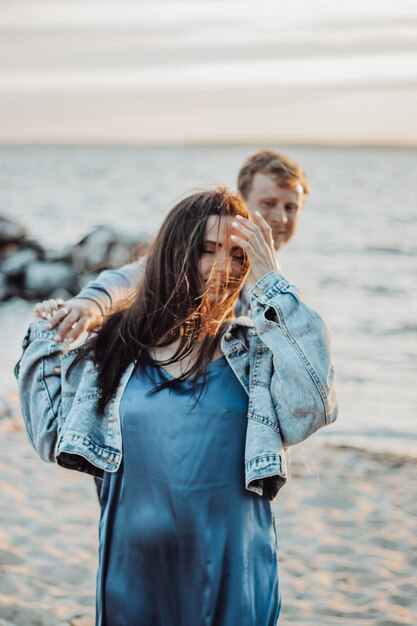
[{"x": 269, "y": 182}]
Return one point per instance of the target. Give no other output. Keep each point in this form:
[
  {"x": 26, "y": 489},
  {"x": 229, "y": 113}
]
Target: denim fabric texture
[{"x": 281, "y": 356}]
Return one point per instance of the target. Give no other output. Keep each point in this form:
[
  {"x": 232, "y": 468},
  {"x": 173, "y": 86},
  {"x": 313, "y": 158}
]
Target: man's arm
[
  {"x": 98, "y": 299},
  {"x": 112, "y": 287}
]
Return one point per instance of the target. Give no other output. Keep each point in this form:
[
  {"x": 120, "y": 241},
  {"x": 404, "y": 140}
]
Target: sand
[{"x": 346, "y": 523}]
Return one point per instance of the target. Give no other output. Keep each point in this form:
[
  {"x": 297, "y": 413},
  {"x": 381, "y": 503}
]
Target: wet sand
[{"x": 346, "y": 523}]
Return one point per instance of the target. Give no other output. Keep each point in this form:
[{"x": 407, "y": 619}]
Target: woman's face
[{"x": 222, "y": 261}]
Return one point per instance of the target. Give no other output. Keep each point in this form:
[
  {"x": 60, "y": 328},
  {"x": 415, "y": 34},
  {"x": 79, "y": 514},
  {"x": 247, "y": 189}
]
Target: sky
[{"x": 208, "y": 71}]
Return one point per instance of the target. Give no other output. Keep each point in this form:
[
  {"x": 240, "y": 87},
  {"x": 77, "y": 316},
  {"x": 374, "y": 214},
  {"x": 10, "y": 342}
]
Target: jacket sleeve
[
  {"x": 114, "y": 286},
  {"x": 300, "y": 341},
  {"x": 38, "y": 376}
]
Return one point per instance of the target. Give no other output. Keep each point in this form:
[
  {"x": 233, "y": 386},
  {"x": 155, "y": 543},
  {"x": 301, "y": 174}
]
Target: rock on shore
[{"x": 29, "y": 271}]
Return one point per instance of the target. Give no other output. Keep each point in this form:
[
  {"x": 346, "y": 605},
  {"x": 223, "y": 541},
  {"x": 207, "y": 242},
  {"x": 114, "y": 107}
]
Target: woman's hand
[
  {"x": 256, "y": 240},
  {"x": 74, "y": 317}
]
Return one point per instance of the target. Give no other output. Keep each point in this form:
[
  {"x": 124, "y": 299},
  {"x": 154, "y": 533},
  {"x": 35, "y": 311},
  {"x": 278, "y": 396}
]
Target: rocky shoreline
[{"x": 31, "y": 272}]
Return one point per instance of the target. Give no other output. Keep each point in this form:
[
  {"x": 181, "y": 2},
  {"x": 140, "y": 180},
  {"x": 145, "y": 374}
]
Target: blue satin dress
[{"x": 182, "y": 542}]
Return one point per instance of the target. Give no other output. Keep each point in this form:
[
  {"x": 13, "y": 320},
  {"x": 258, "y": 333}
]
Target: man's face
[{"x": 279, "y": 206}]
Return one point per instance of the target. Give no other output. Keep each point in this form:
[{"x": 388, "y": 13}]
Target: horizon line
[{"x": 412, "y": 144}]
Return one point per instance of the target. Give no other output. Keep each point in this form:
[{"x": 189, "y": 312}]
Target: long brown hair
[{"x": 171, "y": 301}]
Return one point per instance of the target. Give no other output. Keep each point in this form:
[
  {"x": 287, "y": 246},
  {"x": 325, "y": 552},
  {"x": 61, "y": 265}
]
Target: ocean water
[{"x": 354, "y": 255}]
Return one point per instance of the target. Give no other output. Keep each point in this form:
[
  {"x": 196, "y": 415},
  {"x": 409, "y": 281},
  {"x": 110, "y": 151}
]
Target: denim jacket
[{"x": 281, "y": 356}]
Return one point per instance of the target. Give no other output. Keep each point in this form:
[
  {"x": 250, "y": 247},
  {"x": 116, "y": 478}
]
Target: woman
[{"x": 188, "y": 413}]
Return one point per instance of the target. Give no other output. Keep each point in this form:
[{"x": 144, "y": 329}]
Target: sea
[{"x": 354, "y": 255}]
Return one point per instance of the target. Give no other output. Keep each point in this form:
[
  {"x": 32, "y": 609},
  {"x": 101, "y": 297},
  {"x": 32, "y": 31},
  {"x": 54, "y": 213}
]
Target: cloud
[{"x": 104, "y": 55}]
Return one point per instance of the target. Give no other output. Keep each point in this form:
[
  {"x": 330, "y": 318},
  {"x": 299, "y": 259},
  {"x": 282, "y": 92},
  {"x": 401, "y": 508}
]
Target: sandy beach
[{"x": 346, "y": 523}]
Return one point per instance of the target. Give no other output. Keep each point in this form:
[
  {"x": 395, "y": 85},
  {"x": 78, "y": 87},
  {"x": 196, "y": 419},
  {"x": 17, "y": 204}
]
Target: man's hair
[{"x": 284, "y": 170}]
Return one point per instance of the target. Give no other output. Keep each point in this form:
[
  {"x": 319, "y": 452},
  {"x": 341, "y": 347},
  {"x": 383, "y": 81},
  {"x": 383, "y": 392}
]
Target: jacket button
[{"x": 228, "y": 336}]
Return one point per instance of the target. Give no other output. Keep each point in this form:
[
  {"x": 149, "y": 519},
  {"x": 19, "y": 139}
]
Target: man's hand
[{"x": 73, "y": 317}]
